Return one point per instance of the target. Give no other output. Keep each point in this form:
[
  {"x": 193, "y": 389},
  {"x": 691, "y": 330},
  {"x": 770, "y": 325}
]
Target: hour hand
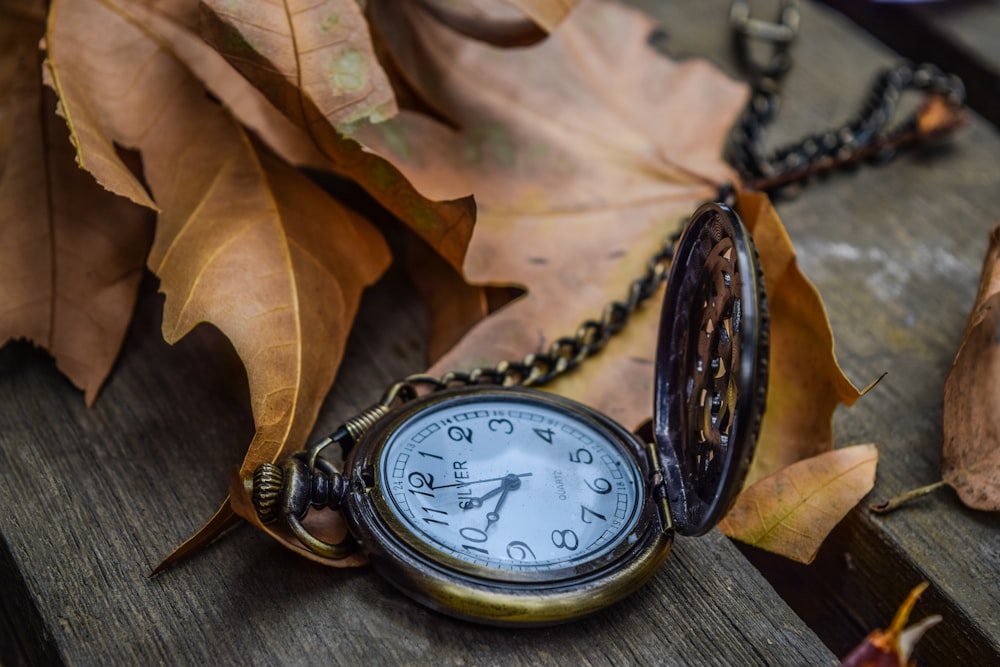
[
  {"x": 507, "y": 483},
  {"x": 473, "y": 503}
]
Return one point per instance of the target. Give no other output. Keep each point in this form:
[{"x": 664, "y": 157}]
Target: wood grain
[
  {"x": 93, "y": 499},
  {"x": 895, "y": 251},
  {"x": 959, "y": 36}
]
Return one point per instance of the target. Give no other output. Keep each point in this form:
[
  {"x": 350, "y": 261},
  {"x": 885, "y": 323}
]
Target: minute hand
[{"x": 478, "y": 481}]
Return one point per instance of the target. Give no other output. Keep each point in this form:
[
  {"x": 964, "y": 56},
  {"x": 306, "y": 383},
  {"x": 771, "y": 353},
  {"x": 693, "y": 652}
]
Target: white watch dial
[{"x": 512, "y": 484}]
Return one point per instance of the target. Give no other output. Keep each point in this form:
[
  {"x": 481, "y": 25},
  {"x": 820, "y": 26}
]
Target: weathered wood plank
[
  {"x": 896, "y": 253},
  {"x": 959, "y": 36},
  {"x": 93, "y": 499}
]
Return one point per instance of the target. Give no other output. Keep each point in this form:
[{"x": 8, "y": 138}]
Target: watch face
[{"x": 515, "y": 485}]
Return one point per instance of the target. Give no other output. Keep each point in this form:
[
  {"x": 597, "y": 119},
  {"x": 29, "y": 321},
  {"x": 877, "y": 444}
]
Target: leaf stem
[{"x": 904, "y": 498}]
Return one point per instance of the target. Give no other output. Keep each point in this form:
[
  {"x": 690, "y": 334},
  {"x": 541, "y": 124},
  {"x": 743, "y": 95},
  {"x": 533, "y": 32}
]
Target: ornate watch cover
[{"x": 711, "y": 368}]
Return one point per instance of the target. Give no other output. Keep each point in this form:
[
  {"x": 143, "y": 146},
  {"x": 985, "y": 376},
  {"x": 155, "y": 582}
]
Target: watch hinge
[{"x": 658, "y": 486}]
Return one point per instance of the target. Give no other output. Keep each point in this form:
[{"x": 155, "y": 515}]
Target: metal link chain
[
  {"x": 564, "y": 354},
  {"x": 870, "y": 126},
  {"x": 868, "y": 135}
]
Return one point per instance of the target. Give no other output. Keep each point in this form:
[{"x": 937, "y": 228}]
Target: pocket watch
[{"x": 499, "y": 503}]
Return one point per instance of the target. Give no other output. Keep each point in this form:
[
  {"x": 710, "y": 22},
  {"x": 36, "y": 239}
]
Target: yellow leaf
[
  {"x": 792, "y": 511},
  {"x": 805, "y": 382}
]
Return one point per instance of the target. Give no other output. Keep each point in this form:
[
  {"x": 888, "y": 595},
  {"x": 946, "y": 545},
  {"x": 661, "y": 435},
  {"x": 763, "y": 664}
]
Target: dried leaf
[
  {"x": 501, "y": 22},
  {"x": 546, "y": 13},
  {"x": 805, "y": 383},
  {"x": 575, "y": 191},
  {"x": 242, "y": 241},
  {"x": 276, "y": 61},
  {"x": 970, "y": 457},
  {"x": 793, "y": 510},
  {"x": 575, "y": 175},
  {"x": 71, "y": 253},
  {"x": 316, "y": 57},
  {"x": 453, "y": 305},
  {"x": 970, "y": 460},
  {"x": 893, "y": 647},
  {"x": 175, "y": 23}
]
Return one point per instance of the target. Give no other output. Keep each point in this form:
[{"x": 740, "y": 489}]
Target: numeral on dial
[
  {"x": 600, "y": 485},
  {"x": 584, "y": 511},
  {"x": 519, "y": 550},
  {"x": 503, "y": 425},
  {"x": 581, "y": 455},
  {"x": 545, "y": 434},
  {"x": 459, "y": 434},
  {"x": 431, "y": 510},
  {"x": 419, "y": 480},
  {"x": 565, "y": 539},
  {"x": 474, "y": 534}
]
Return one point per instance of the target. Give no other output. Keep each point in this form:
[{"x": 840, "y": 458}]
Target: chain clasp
[{"x": 778, "y": 34}]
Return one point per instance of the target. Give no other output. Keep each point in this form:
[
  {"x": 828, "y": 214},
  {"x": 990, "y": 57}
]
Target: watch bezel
[{"x": 470, "y": 590}]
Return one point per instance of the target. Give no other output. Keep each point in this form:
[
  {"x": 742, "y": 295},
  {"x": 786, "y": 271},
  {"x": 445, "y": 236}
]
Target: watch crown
[{"x": 267, "y": 482}]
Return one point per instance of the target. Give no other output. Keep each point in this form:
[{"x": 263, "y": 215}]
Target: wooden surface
[
  {"x": 962, "y": 36},
  {"x": 896, "y": 253},
  {"x": 94, "y": 498}
]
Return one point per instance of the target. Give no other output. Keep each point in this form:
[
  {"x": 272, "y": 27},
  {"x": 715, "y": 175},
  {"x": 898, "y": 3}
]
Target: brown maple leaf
[
  {"x": 326, "y": 81},
  {"x": 242, "y": 240},
  {"x": 71, "y": 253},
  {"x": 583, "y": 153}
]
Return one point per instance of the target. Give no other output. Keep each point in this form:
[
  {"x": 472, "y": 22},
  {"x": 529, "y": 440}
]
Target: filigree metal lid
[{"x": 711, "y": 368}]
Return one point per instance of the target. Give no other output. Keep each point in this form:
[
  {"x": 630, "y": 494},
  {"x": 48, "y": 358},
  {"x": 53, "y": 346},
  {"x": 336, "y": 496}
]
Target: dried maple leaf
[
  {"x": 71, "y": 253},
  {"x": 576, "y": 187},
  {"x": 242, "y": 240},
  {"x": 316, "y": 57},
  {"x": 583, "y": 154},
  {"x": 894, "y": 646},
  {"x": 176, "y": 23},
  {"x": 970, "y": 457},
  {"x": 273, "y": 48},
  {"x": 792, "y": 511}
]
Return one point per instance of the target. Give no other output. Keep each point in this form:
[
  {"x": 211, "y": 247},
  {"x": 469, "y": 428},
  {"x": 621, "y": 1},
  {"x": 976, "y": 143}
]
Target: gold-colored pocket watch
[{"x": 506, "y": 505}]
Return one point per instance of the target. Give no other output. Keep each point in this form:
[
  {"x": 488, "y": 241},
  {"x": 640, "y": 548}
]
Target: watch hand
[
  {"x": 478, "y": 481},
  {"x": 510, "y": 483},
  {"x": 473, "y": 503}
]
